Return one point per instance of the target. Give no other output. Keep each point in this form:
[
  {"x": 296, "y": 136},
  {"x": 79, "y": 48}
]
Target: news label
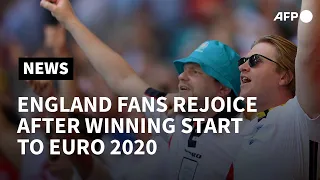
[{"x": 45, "y": 68}]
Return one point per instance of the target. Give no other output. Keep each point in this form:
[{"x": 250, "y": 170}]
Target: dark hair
[{"x": 287, "y": 52}]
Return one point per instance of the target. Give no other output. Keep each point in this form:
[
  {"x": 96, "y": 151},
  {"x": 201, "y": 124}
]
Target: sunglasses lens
[
  {"x": 254, "y": 60},
  {"x": 241, "y": 61}
]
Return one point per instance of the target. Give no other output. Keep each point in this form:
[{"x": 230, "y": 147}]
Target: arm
[
  {"x": 117, "y": 73},
  {"x": 308, "y": 61},
  {"x": 87, "y": 166}
]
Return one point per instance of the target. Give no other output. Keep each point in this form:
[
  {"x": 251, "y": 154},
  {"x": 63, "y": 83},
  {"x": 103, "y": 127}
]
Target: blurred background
[{"x": 149, "y": 34}]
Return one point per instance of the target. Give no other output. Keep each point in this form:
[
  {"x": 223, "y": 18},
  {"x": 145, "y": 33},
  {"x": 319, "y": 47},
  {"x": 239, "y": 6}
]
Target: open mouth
[
  {"x": 183, "y": 88},
  {"x": 245, "y": 80}
]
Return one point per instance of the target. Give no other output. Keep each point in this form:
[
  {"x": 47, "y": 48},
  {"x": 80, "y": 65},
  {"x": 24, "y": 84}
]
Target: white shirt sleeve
[{"x": 313, "y": 124}]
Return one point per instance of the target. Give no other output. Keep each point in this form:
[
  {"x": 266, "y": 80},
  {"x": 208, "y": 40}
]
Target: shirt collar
[{"x": 259, "y": 115}]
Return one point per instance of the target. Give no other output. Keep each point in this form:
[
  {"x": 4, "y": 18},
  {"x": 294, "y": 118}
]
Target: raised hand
[
  {"x": 61, "y": 10},
  {"x": 43, "y": 88}
]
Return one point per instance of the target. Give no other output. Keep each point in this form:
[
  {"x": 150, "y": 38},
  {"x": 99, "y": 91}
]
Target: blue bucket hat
[{"x": 216, "y": 60}]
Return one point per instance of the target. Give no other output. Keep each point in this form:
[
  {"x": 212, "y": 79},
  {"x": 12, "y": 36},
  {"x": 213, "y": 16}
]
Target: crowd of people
[
  {"x": 149, "y": 34},
  {"x": 139, "y": 39}
]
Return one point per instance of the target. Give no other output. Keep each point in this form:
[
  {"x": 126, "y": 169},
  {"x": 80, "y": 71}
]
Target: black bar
[
  {"x": 313, "y": 162},
  {"x": 48, "y": 68}
]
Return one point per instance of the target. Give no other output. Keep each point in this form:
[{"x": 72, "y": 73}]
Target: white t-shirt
[
  {"x": 201, "y": 156},
  {"x": 277, "y": 147}
]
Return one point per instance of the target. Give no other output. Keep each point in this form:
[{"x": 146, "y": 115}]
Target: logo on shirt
[{"x": 193, "y": 154}]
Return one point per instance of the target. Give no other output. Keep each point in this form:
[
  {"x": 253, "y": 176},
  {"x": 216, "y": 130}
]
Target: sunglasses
[{"x": 253, "y": 60}]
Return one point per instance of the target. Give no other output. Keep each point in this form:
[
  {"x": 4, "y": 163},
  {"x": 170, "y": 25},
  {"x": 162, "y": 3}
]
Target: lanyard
[{"x": 263, "y": 114}]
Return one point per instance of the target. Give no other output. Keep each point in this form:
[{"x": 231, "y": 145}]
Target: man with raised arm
[
  {"x": 276, "y": 143},
  {"x": 210, "y": 71},
  {"x": 280, "y": 142}
]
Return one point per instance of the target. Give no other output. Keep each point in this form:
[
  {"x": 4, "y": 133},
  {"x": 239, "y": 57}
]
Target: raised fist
[
  {"x": 60, "y": 9},
  {"x": 43, "y": 88}
]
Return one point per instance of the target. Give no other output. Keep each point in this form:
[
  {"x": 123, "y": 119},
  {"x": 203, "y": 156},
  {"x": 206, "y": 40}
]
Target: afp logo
[
  {"x": 45, "y": 68},
  {"x": 305, "y": 16}
]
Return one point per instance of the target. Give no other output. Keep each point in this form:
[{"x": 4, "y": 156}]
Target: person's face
[
  {"x": 193, "y": 82},
  {"x": 262, "y": 79}
]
